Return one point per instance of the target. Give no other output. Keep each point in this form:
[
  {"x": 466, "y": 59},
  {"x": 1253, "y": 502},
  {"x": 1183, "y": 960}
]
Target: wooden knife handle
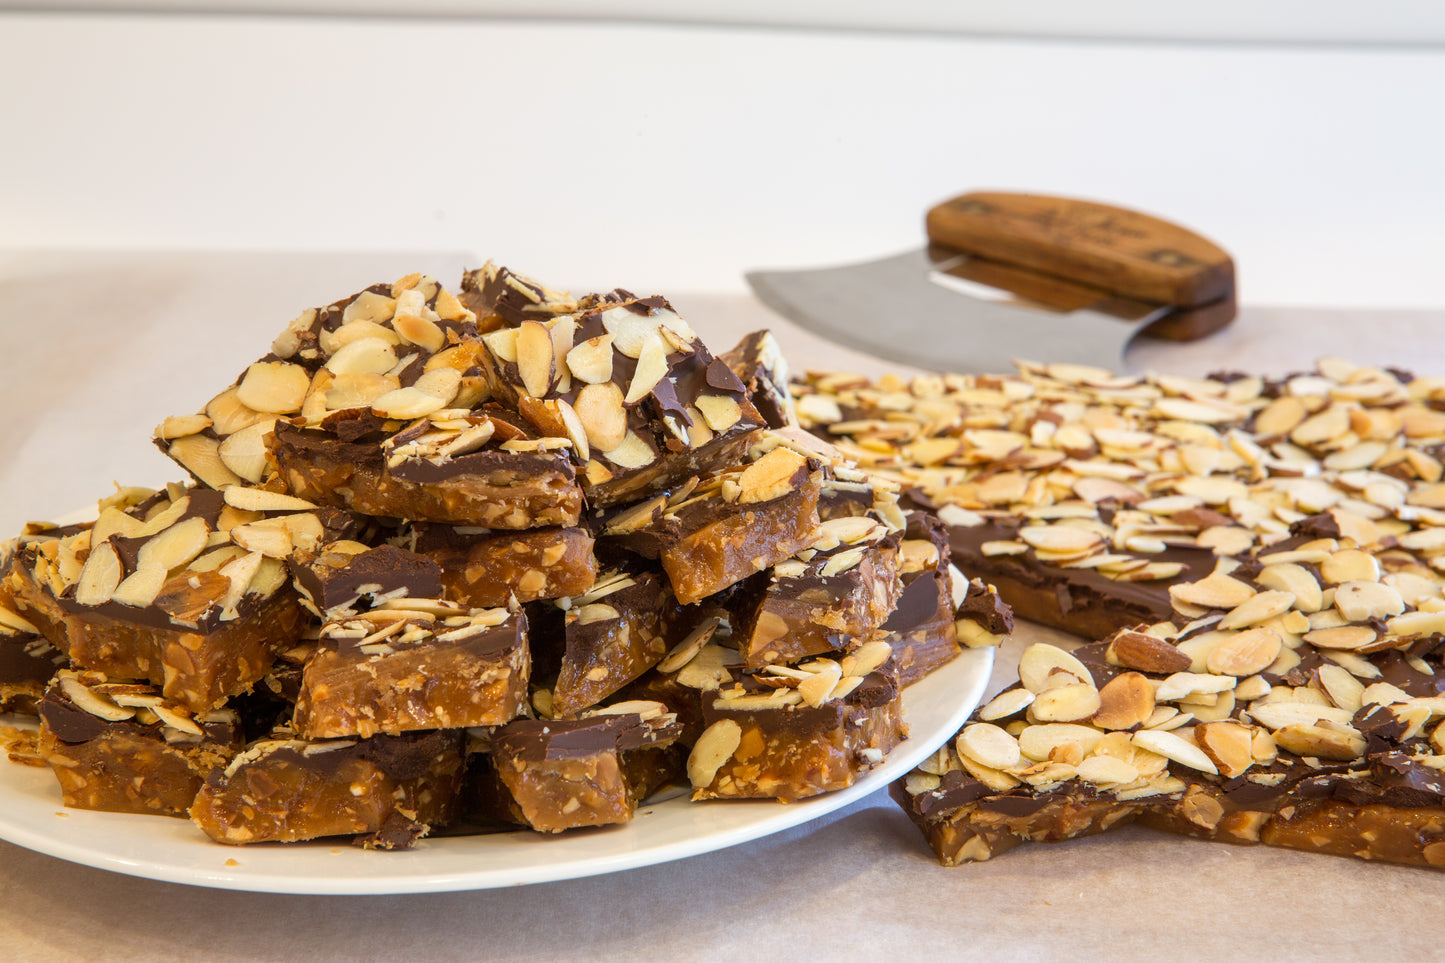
[{"x": 1117, "y": 250}]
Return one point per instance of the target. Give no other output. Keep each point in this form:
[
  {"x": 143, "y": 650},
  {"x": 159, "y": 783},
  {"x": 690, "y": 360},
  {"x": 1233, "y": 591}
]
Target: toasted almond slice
[
  {"x": 92, "y": 702},
  {"x": 1125, "y": 701},
  {"x": 201, "y": 457},
  {"x": 1066, "y": 703},
  {"x": 1415, "y": 624},
  {"x": 268, "y": 537},
  {"x": 140, "y": 588},
  {"x": 1260, "y": 608},
  {"x": 1106, "y": 771},
  {"x": 1246, "y": 653},
  {"x": 1008, "y": 703},
  {"x": 245, "y": 451},
  {"x": 600, "y": 409},
  {"x": 632, "y": 453},
  {"x": 440, "y": 383},
  {"x": 1277, "y": 715},
  {"x": 1229, "y": 745},
  {"x": 1340, "y": 742},
  {"x": 770, "y": 476},
  {"x": 1182, "y": 684},
  {"x": 273, "y": 387},
  {"x": 1039, "y": 742},
  {"x": 406, "y": 404},
  {"x": 591, "y": 361},
  {"x": 720, "y": 411},
  {"x": 1350, "y": 565},
  {"x": 362, "y": 356},
  {"x": 1040, "y": 660},
  {"x": 420, "y": 331},
  {"x": 1060, "y": 538},
  {"x": 99, "y": 577},
  {"x": 1344, "y": 689},
  {"x": 988, "y": 745},
  {"x": 1214, "y": 591},
  {"x": 179, "y": 426},
  {"x": 819, "y": 686},
  {"x": 175, "y": 547},
  {"x": 536, "y": 364},
  {"x": 1297, "y": 581},
  {"x": 1342, "y": 637},
  {"x": 1174, "y": 748},
  {"x": 867, "y": 658},
  {"x": 651, "y": 369},
  {"x": 1144, "y": 652},
  {"x": 263, "y": 500}
]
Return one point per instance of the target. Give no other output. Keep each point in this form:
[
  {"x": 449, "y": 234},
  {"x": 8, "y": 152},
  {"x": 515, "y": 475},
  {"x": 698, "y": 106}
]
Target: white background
[{"x": 674, "y": 157}]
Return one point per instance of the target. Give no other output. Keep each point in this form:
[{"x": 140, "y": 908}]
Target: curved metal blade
[{"x": 890, "y": 308}]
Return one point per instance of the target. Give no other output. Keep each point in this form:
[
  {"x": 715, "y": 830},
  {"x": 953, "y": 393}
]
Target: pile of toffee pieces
[
  {"x": 500, "y": 558},
  {"x": 1257, "y": 564}
]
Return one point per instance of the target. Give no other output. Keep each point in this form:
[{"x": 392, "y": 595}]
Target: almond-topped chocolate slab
[
  {"x": 400, "y": 351},
  {"x": 629, "y": 382},
  {"x": 1084, "y": 495},
  {"x": 185, "y": 587},
  {"x": 123, "y": 747},
  {"x": 503, "y": 298},
  {"x": 412, "y": 664},
  {"x": 283, "y": 789}
]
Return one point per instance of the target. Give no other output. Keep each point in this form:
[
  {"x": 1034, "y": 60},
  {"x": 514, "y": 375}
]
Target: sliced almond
[
  {"x": 1228, "y": 745},
  {"x": 1277, "y": 715},
  {"x": 1413, "y": 624},
  {"x": 179, "y": 426},
  {"x": 1214, "y": 591},
  {"x": 420, "y": 331},
  {"x": 1350, "y": 565},
  {"x": 1246, "y": 653},
  {"x": 988, "y": 745},
  {"x": 201, "y": 457},
  {"x": 1008, "y": 703},
  {"x": 267, "y": 537},
  {"x": 651, "y": 369},
  {"x": 1038, "y": 742},
  {"x": 406, "y": 404},
  {"x": 1296, "y": 580},
  {"x": 99, "y": 576},
  {"x": 1340, "y": 742},
  {"x": 1260, "y": 608},
  {"x": 1041, "y": 660},
  {"x": 363, "y": 356},
  {"x": 632, "y": 453},
  {"x": 262, "y": 500},
  {"x": 245, "y": 451},
  {"x": 1060, "y": 538},
  {"x": 274, "y": 387},
  {"x": 600, "y": 409},
  {"x": 535, "y": 361},
  {"x": 440, "y": 383},
  {"x": 1125, "y": 701},
  {"x": 92, "y": 702},
  {"x": 140, "y": 588},
  {"x": 1066, "y": 703},
  {"x": 720, "y": 411},
  {"x": 591, "y": 361},
  {"x": 175, "y": 547},
  {"x": 1174, "y": 748},
  {"x": 1362, "y": 601},
  {"x": 714, "y": 747},
  {"x": 1341, "y": 637},
  {"x": 1106, "y": 771}
]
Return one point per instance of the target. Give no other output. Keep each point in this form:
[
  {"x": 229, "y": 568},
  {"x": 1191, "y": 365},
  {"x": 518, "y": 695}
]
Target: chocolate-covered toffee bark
[
  {"x": 123, "y": 747},
  {"x": 185, "y": 587},
  {"x": 553, "y": 775},
  {"x": 285, "y": 790},
  {"x": 341, "y": 578},
  {"x": 397, "y": 351},
  {"x": 1304, "y": 694},
  {"x": 789, "y": 732},
  {"x": 758, "y": 362},
  {"x": 28, "y": 660},
  {"x": 1084, "y": 495},
  {"x": 502, "y": 298},
  {"x": 488, "y": 568},
  {"x": 922, "y": 627},
  {"x": 630, "y": 384},
  {"x": 609, "y": 635},
  {"x": 713, "y": 532},
  {"x": 414, "y": 664},
  {"x": 829, "y": 597}
]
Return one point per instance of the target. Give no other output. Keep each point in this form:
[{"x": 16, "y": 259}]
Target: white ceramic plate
[{"x": 32, "y": 816}]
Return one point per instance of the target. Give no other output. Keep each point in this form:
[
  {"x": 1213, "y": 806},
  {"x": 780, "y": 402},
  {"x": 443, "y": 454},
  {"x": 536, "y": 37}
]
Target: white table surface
[{"x": 854, "y": 885}]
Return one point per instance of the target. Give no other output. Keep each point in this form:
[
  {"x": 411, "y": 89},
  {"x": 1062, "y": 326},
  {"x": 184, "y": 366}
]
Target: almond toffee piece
[
  {"x": 502, "y": 298},
  {"x": 922, "y": 627},
  {"x": 397, "y": 351},
  {"x": 185, "y": 587},
  {"x": 123, "y": 747},
  {"x": 557, "y": 774},
  {"x": 28, "y": 660},
  {"x": 713, "y": 532},
  {"x": 488, "y": 568},
  {"x": 630, "y": 384},
  {"x": 610, "y": 635},
  {"x": 341, "y": 578},
  {"x": 1084, "y": 495},
  {"x": 414, "y": 664},
  {"x": 283, "y": 789},
  {"x": 758, "y": 362},
  {"x": 789, "y": 732},
  {"x": 1298, "y": 705},
  {"x": 829, "y": 597}
]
